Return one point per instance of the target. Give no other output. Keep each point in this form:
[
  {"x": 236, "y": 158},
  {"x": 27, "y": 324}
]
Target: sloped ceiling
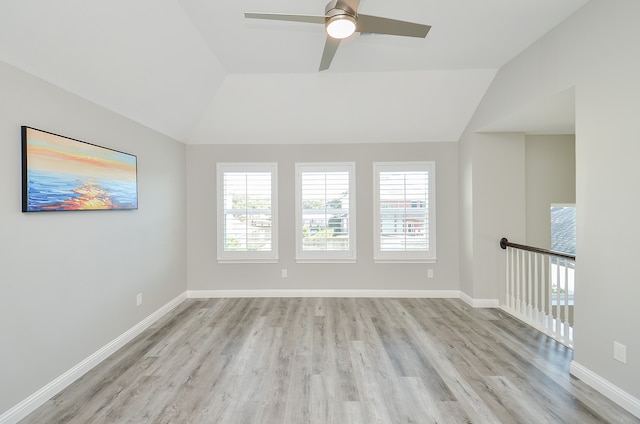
[
  {"x": 199, "y": 72},
  {"x": 552, "y": 115}
]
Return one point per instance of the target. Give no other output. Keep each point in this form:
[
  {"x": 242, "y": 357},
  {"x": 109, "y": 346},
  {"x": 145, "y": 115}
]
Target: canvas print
[{"x": 61, "y": 174}]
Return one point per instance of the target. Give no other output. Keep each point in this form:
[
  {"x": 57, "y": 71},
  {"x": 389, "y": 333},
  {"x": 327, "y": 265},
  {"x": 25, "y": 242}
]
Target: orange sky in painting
[{"x": 63, "y": 155}]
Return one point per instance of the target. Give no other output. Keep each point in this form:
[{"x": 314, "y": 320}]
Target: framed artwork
[{"x": 62, "y": 174}]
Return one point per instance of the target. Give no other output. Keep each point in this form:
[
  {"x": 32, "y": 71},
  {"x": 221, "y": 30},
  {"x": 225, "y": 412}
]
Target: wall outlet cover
[{"x": 620, "y": 352}]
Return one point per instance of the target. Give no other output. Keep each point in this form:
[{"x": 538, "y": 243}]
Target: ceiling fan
[{"x": 341, "y": 19}]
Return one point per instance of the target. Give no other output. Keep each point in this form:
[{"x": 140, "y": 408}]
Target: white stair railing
[{"x": 539, "y": 289}]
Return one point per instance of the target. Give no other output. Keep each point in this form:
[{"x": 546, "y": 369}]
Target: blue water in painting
[{"x": 49, "y": 190}]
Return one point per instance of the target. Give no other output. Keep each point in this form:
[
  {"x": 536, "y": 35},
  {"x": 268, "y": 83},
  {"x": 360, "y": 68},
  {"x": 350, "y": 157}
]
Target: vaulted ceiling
[{"x": 198, "y": 71}]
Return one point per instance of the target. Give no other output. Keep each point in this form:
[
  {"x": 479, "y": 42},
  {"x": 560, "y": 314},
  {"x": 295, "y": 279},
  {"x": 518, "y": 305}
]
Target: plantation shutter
[
  {"x": 247, "y": 211},
  {"x": 404, "y": 211},
  {"x": 325, "y": 210}
]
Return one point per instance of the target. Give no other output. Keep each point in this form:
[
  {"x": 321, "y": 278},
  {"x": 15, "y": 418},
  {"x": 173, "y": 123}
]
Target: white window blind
[
  {"x": 246, "y": 217},
  {"x": 325, "y": 217},
  {"x": 405, "y": 212}
]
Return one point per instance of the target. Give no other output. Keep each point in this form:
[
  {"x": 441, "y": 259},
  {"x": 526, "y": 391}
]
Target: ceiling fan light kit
[
  {"x": 341, "y": 19},
  {"x": 341, "y": 26}
]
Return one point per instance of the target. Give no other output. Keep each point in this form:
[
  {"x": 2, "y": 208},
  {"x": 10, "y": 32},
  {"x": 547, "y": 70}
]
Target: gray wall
[
  {"x": 492, "y": 187},
  {"x": 603, "y": 68},
  {"x": 498, "y": 206},
  {"x": 550, "y": 173},
  {"x": 204, "y": 273},
  {"x": 69, "y": 280}
]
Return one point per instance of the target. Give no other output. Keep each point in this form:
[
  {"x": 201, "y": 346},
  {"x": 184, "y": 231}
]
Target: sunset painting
[{"x": 60, "y": 173}]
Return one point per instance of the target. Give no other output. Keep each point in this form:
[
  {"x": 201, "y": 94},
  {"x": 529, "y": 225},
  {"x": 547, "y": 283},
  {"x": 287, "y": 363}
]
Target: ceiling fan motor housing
[{"x": 331, "y": 10}]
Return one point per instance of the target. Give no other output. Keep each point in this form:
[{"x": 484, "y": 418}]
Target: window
[
  {"x": 325, "y": 212},
  {"x": 404, "y": 212},
  {"x": 247, "y": 212},
  {"x": 563, "y": 228}
]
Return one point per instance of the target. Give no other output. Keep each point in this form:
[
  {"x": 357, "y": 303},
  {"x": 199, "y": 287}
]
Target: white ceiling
[{"x": 200, "y": 72}]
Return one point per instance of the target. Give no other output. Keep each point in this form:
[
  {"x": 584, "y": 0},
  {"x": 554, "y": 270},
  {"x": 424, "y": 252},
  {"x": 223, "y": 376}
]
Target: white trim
[
  {"x": 37, "y": 399},
  {"x": 479, "y": 303},
  {"x": 606, "y": 388},
  {"x": 326, "y": 256},
  {"x": 407, "y": 256},
  {"x": 268, "y": 256},
  {"x": 433, "y": 294}
]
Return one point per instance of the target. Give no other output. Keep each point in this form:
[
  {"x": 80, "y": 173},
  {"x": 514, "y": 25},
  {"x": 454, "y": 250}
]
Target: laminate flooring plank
[
  {"x": 352, "y": 320},
  {"x": 298, "y": 407},
  {"x": 250, "y": 351},
  {"x": 352, "y": 413},
  {"x": 455, "y": 384},
  {"x": 517, "y": 403},
  {"x": 466, "y": 368},
  {"x": 194, "y": 392},
  {"x": 371, "y": 394},
  {"x": 218, "y": 405},
  {"x": 544, "y": 384},
  {"x": 475, "y": 362},
  {"x": 179, "y": 408},
  {"x": 432, "y": 410},
  {"x": 331, "y": 352},
  {"x": 276, "y": 310},
  {"x": 319, "y": 352},
  {"x": 421, "y": 309},
  {"x": 298, "y": 324},
  {"x": 240, "y": 324},
  {"x": 409, "y": 361},
  {"x": 345, "y": 378},
  {"x": 165, "y": 397},
  {"x": 319, "y": 306},
  {"x": 400, "y": 400},
  {"x": 436, "y": 349},
  {"x": 271, "y": 413},
  {"x": 322, "y": 394}
]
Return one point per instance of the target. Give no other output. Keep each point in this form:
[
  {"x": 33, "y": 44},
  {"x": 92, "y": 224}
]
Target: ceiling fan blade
[
  {"x": 313, "y": 19},
  {"x": 350, "y": 4},
  {"x": 330, "y": 47},
  {"x": 377, "y": 25}
]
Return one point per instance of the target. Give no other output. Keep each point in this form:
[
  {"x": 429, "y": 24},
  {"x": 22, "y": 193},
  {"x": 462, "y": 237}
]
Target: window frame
[
  {"x": 245, "y": 256},
  {"x": 406, "y": 256},
  {"x": 326, "y": 256}
]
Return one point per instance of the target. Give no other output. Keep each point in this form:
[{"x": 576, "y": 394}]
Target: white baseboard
[
  {"x": 479, "y": 303},
  {"x": 37, "y": 399},
  {"x": 213, "y": 294},
  {"x": 424, "y": 294},
  {"x": 605, "y": 387}
]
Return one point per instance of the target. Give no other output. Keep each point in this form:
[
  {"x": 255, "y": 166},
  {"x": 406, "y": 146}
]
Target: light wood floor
[{"x": 346, "y": 361}]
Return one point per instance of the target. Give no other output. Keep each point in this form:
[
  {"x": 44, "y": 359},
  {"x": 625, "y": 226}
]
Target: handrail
[{"x": 504, "y": 243}]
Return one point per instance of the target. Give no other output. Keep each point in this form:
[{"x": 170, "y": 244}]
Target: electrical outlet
[
  {"x": 284, "y": 273},
  {"x": 429, "y": 273},
  {"x": 139, "y": 299},
  {"x": 620, "y": 352}
]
